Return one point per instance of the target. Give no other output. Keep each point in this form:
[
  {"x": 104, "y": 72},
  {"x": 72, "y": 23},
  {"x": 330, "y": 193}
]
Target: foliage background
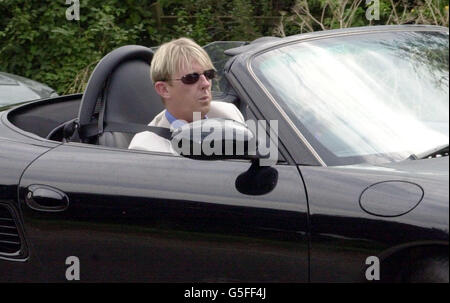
[{"x": 36, "y": 40}]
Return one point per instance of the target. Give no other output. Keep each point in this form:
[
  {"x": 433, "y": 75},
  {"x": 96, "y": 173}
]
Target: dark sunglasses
[{"x": 194, "y": 77}]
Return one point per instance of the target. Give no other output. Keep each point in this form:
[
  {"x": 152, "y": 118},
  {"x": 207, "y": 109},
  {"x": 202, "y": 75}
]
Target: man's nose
[{"x": 204, "y": 82}]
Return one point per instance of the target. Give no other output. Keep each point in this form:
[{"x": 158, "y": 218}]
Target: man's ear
[{"x": 161, "y": 88}]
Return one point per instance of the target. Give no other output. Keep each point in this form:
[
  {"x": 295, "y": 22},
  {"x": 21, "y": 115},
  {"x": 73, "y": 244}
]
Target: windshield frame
[{"x": 326, "y": 158}]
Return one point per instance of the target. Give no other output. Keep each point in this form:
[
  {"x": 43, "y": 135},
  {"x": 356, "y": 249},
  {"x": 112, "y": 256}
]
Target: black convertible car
[{"x": 358, "y": 191}]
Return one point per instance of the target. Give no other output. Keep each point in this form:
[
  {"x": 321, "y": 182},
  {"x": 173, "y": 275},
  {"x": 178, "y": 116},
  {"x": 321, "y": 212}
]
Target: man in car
[{"x": 181, "y": 73}]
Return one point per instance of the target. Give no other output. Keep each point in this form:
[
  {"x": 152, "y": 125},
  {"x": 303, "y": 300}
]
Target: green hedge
[{"x": 38, "y": 42}]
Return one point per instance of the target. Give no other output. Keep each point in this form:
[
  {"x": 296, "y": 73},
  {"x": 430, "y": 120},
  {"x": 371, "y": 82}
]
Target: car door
[
  {"x": 139, "y": 216},
  {"x": 14, "y": 158}
]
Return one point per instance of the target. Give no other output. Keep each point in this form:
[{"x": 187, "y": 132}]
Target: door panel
[
  {"x": 136, "y": 216},
  {"x": 15, "y": 264}
]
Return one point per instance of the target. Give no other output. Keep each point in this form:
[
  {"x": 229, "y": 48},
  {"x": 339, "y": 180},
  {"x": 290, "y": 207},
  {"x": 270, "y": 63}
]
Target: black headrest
[{"x": 121, "y": 84}]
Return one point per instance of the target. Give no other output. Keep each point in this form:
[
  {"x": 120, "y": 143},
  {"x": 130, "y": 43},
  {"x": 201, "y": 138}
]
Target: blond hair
[{"x": 176, "y": 55}]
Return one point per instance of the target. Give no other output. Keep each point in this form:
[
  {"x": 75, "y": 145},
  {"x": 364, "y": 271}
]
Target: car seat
[{"x": 119, "y": 94}]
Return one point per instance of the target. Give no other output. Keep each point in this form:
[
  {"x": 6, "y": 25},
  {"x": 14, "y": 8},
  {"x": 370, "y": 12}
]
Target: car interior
[{"x": 119, "y": 92}]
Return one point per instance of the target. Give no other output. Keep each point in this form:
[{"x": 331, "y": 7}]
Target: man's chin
[{"x": 204, "y": 109}]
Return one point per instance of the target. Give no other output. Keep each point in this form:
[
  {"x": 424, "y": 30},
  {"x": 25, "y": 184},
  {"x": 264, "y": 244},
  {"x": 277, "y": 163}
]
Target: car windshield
[{"x": 370, "y": 98}]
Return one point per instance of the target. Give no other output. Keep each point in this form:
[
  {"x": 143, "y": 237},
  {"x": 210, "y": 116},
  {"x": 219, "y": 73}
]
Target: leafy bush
[{"x": 38, "y": 42}]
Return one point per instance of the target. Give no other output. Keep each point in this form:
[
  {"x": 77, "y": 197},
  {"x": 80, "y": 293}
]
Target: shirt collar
[
  {"x": 170, "y": 117},
  {"x": 174, "y": 122}
]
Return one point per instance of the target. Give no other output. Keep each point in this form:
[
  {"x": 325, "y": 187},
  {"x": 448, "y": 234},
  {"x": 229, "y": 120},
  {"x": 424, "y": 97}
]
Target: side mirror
[{"x": 214, "y": 139}]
